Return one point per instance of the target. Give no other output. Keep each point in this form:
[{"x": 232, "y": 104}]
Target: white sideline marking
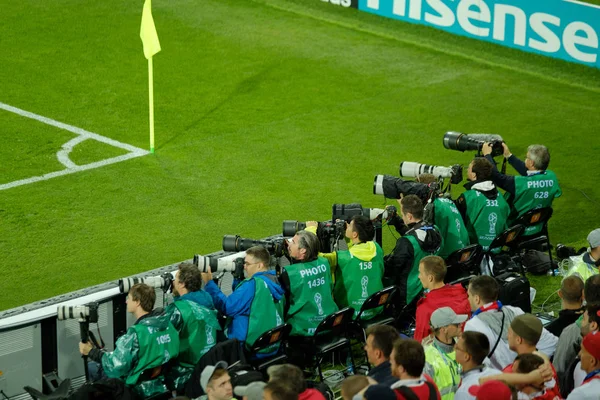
[{"x": 63, "y": 154}]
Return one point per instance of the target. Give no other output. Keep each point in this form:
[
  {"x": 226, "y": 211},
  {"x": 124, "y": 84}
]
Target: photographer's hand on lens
[
  {"x": 311, "y": 223},
  {"x": 486, "y": 149},
  {"x": 207, "y": 276},
  {"x": 507, "y": 152},
  {"x": 85, "y": 348}
]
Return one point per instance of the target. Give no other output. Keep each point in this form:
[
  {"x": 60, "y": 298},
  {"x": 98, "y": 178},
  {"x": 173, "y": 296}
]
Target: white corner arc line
[{"x": 63, "y": 154}]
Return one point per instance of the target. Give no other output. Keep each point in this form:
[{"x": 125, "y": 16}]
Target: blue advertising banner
[{"x": 565, "y": 29}]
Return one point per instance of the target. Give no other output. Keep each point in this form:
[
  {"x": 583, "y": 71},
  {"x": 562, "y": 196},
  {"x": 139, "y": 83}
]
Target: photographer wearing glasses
[{"x": 256, "y": 304}]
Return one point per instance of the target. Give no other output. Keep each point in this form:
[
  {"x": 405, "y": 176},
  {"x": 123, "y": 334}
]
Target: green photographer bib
[
  {"x": 413, "y": 284},
  {"x": 451, "y": 226},
  {"x": 198, "y": 332},
  {"x": 485, "y": 218},
  {"x": 265, "y": 314},
  {"x": 310, "y": 295},
  {"x": 531, "y": 192},
  {"x": 356, "y": 280}
]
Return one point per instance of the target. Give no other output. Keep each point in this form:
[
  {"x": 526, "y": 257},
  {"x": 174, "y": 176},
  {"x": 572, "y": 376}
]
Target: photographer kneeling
[
  {"x": 150, "y": 343},
  {"x": 256, "y": 304},
  {"x": 358, "y": 270},
  {"x": 421, "y": 240},
  {"x": 483, "y": 209},
  {"x": 536, "y": 188}
]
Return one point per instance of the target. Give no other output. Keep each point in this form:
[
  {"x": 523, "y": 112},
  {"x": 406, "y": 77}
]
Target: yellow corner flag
[{"x": 148, "y": 32}]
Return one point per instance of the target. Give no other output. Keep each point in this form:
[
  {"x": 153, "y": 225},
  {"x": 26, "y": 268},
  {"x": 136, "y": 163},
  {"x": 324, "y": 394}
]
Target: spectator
[
  {"x": 358, "y": 270},
  {"x": 407, "y": 361},
  {"x": 252, "y": 391},
  {"x": 440, "y": 359},
  {"x": 571, "y": 294},
  {"x": 402, "y": 265},
  {"x": 537, "y": 186},
  {"x": 493, "y": 390},
  {"x": 193, "y": 315},
  {"x": 148, "y": 344},
  {"x": 379, "y": 392},
  {"x": 535, "y": 389},
  {"x": 307, "y": 284},
  {"x": 279, "y": 390},
  {"x": 352, "y": 385},
  {"x": 378, "y": 346},
  {"x": 570, "y": 339},
  {"x": 586, "y": 264},
  {"x": 256, "y": 305},
  {"x": 471, "y": 350},
  {"x": 216, "y": 382},
  {"x": 432, "y": 271},
  {"x": 482, "y": 207},
  {"x": 294, "y": 379},
  {"x": 493, "y": 319},
  {"x": 590, "y": 363}
]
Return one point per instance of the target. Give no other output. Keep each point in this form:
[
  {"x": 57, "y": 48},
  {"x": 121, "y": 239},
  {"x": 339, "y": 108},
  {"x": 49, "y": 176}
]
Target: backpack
[
  {"x": 514, "y": 291},
  {"x": 537, "y": 262}
]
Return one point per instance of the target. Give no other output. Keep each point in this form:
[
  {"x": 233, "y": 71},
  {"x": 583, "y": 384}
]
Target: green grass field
[{"x": 265, "y": 110}]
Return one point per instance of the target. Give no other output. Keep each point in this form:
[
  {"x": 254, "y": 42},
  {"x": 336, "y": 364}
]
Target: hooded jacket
[{"x": 453, "y": 296}]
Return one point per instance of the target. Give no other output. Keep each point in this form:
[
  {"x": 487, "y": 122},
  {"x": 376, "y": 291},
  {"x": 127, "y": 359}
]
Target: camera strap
[{"x": 503, "y": 170}]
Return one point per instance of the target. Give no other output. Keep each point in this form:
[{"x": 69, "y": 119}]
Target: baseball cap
[
  {"x": 446, "y": 316},
  {"x": 208, "y": 372},
  {"x": 591, "y": 342},
  {"x": 594, "y": 238},
  {"x": 254, "y": 390},
  {"x": 527, "y": 326},
  {"x": 491, "y": 390}
]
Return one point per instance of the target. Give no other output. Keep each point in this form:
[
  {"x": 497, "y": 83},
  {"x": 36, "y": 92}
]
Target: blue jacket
[
  {"x": 200, "y": 297},
  {"x": 237, "y": 304}
]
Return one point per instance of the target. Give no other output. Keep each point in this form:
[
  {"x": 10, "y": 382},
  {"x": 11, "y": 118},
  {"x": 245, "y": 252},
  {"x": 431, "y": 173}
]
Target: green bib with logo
[
  {"x": 485, "y": 218},
  {"x": 198, "y": 331},
  {"x": 451, "y": 226},
  {"x": 265, "y": 313}
]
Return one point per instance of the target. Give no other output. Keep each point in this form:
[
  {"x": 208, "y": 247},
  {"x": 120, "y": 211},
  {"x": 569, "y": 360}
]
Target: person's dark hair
[
  {"x": 591, "y": 290},
  {"x": 572, "y": 288},
  {"x": 436, "y": 266},
  {"x": 485, "y": 287},
  {"x": 410, "y": 355},
  {"x": 477, "y": 345},
  {"x": 364, "y": 227},
  {"x": 412, "y": 204},
  {"x": 483, "y": 168},
  {"x": 290, "y": 374},
  {"x": 309, "y": 241},
  {"x": 528, "y": 362},
  {"x": 593, "y": 310},
  {"x": 260, "y": 254},
  {"x": 384, "y": 337},
  {"x": 190, "y": 276},
  {"x": 144, "y": 294},
  {"x": 280, "y": 390},
  {"x": 540, "y": 156}
]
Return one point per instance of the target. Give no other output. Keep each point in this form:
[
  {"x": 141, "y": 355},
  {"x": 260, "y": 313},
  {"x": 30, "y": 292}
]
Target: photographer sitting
[
  {"x": 193, "y": 315},
  {"x": 586, "y": 264},
  {"x": 535, "y": 188},
  {"x": 256, "y": 304},
  {"x": 421, "y": 240},
  {"x": 307, "y": 284},
  {"x": 148, "y": 344},
  {"x": 359, "y": 271},
  {"x": 483, "y": 209}
]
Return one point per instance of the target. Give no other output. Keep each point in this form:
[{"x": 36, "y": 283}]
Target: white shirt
[
  {"x": 578, "y": 375},
  {"x": 503, "y": 356},
  {"x": 471, "y": 378},
  {"x": 588, "y": 391}
]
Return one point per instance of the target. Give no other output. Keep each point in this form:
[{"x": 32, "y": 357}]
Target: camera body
[
  {"x": 164, "y": 282},
  {"x": 473, "y": 142},
  {"x": 87, "y": 312},
  {"x": 220, "y": 264}
]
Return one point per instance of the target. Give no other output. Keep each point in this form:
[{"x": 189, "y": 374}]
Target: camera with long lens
[
  {"x": 88, "y": 312},
  {"x": 345, "y": 212},
  {"x": 473, "y": 142},
  {"x": 392, "y": 187},
  {"x": 410, "y": 169},
  {"x": 164, "y": 282},
  {"x": 236, "y": 243},
  {"x": 235, "y": 265}
]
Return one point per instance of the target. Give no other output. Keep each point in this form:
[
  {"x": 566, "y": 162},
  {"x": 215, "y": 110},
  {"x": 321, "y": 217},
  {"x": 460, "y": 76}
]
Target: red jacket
[
  {"x": 552, "y": 393},
  {"x": 454, "y": 296},
  {"x": 311, "y": 394}
]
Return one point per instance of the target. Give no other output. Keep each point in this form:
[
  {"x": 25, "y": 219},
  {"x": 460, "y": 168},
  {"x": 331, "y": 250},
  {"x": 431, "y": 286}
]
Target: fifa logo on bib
[
  {"x": 209, "y": 334},
  {"x": 318, "y": 300},
  {"x": 493, "y": 219},
  {"x": 364, "y": 282}
]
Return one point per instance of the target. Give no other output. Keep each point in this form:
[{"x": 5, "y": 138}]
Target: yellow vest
[
  {"x": 447, "y": 370},
  {"x": 581, "y": 268}
]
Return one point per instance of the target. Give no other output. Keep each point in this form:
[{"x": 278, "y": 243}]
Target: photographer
[
  {"x": 421, "y": 240},
  {"x": 149, "y": 344},
  {"x": 535, "y": 188},
  {"x": 256, "y": 304},
  {"x": 358, "y": 270},
  {"x": 483, "y": 209},
  {"x": 193, "y": 315},
  {"x": 307, "y": 284}
]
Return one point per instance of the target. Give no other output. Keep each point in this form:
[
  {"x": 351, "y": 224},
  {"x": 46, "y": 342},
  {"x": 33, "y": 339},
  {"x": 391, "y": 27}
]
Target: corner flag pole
[{"x": 151, "y": 47}]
